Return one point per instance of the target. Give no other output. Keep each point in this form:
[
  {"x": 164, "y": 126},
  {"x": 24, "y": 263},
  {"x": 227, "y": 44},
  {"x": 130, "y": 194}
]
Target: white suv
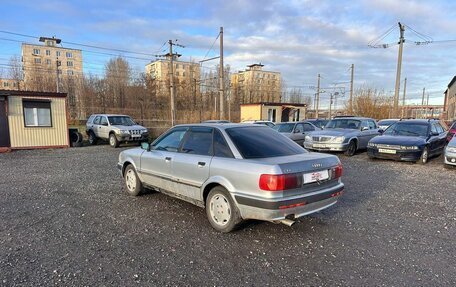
[{"x": 115, "y": 128}]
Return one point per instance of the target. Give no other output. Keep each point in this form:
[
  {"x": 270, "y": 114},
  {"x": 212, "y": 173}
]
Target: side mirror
[
  {"x": 104, "y": 124},
  {"x": 145, "y": 146},
  {"x": 381, "y": 131},
  {"x": 364, "y": 128},
  {"x": 433, "y": 134},
  {"x": 297, "y": 131}
]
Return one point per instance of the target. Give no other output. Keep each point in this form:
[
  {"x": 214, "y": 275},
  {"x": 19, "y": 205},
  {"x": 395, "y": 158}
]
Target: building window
[
  {"x": 36, "y": 51},
  {"x": 69, "y": 63},
  {"x": 5, "y": 84},
  {"x": 70, "y": 72},
  {"x": 48, "y": 61},
  {"x": 183, "y": 73},
  {"x": 57, "y": 53},
  {"x": 272, "y": 115},
  {"x": 48, "y": 52},
  {"x": 69, "y": 55},
  {"x": 37, "y": 60},
  {"x": 37, "y": 113}
]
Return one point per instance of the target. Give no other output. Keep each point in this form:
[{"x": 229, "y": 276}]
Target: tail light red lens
[
  {"x": 277, "y": 182},
  {"x": 337, "y": 171}
]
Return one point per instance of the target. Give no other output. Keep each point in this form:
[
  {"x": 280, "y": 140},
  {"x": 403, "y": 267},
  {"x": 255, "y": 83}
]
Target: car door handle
[
  {"x": 167, "y": 159},
  {"x": 201, "y": 164}
]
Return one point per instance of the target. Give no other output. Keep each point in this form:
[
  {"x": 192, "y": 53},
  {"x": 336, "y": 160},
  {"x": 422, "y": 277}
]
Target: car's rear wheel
[
  {"x": 113, "y": 140},
  {"x": 221, "y": 210},
  {"x": 424, "y": 156},
  {"x": 132, "y": 182},
  {"x": 92, "y": 138},
  {"x": 351, "y": 148}
]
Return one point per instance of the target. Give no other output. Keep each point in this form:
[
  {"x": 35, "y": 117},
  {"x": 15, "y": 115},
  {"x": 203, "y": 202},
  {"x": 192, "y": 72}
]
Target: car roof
[
  {"x": 221, "y": 125},
  {"x": 111, "y": 115},
  {"x": 352, "y": 118},
  {"x": 419, "y": 121}
]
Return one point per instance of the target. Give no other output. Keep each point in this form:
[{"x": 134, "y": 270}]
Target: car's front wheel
[
  {"x": 351, "y": 148},
  {"x": 424, "y": 156},
  {"x": 113, "y": 140},
  {"x": 132, "y": 182},
  {"x": 221, "y": 210}
]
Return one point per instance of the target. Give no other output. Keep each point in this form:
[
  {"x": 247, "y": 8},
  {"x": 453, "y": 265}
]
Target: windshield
[
  {"x": 344, "y": 124},
  {"x": 284, "y": 128},
  {"x": 262, "y": 142},
  {"x": 121, "y": 121},
  {"x": 407, "y": 129}
]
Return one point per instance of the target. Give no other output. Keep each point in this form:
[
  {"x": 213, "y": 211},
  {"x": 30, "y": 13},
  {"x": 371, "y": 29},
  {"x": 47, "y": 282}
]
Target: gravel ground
[{"x": 66, "y": 220}]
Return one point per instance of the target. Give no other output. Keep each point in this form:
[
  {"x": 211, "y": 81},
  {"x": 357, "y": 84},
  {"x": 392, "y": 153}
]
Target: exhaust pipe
[{"x": 288, "y": 222}]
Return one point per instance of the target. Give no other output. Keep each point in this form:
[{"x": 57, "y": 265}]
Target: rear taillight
[
  {"x": 277, "y": 182},
  {"x": 337, "y": 171}
]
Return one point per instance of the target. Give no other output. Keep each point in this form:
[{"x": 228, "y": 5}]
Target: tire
[
  {"x": 113, "y": 141},
  {"x": 133, "y": 184},
  {"x": 92, "y": 138},
  {"x": 351, "y": 150},
  {"x": 76, "y": 139},
  {"x": 222, "y": 212},
  {"x": 424, "y": 156}
]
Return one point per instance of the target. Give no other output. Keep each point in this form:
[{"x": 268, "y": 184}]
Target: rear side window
[
  {"x": 198, "y": 141},
  {"x": 170, "y": 141},
  {"x": 97, "y": 120},
  {"x": 89, "y": 121},
  {"x": 221, "y": 148},
  {"x": 262, "y": 142}
]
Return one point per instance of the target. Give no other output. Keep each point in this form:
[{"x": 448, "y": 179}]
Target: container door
[{"x": 4, "y": 129}]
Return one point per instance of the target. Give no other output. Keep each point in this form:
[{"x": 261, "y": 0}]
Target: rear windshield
[
  {"x": 262, "y": 142},
  {"x": 284, "y": 128},
  {"x": 407, "y": 129}
]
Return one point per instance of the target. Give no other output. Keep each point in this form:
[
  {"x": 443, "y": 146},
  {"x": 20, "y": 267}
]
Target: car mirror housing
[
  {"x": 145, "y": 146},
  {"x": 297, "y": 131},
  {"x": 364, "y": 128},
  {"x": 381, "y": 131}
]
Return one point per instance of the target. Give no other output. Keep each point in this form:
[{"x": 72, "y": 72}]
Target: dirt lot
[{"x": 65, "y": 220}]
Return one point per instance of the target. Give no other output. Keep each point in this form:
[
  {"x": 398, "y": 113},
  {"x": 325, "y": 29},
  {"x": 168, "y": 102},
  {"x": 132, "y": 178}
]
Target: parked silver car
[
  {"x": 235, "y": 171},
  {"x": 114, "y": 128},
  {"x": 347, "y": 134},
  {"x": 296, "y": 131},
  {"x": 450, "y": 152}
]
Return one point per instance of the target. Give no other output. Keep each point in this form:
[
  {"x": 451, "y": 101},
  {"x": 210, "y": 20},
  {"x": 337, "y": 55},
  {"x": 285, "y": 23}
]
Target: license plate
[
  {"x": 319, "y": 145},
  {"x": 135, "y": 136},
  {"x": 390, "y": 151},
  {"x": 316, "y": 176}
]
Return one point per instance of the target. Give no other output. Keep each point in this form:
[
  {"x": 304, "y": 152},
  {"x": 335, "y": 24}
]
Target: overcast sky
[{"x": 297, "y": 38}]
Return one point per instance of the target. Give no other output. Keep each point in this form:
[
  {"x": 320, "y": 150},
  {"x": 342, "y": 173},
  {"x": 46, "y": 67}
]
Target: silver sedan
[{"x": 235, "y": 172}]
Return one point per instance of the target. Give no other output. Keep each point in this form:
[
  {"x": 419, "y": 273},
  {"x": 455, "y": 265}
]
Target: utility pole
[
  {"x": 403, "y": 97},
  {"x": 221, "y": 78},
  {"x": 318, "y": 97},
  {"x": 427, "y": 99},
  {"x": 351, "y": 88},
  {"x": 171, "y": 82},
  {"x": 422, "y": 102},
  {"x": 398, "y": 72}
]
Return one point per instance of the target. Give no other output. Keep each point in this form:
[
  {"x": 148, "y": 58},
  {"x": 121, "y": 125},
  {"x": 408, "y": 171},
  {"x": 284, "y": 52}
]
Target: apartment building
[
  {"x": 183, "y": 71},
  {"x": 42, "y": 64},
  {"x": 11, "y": 84},
  {"x": 256, "y": 85}
]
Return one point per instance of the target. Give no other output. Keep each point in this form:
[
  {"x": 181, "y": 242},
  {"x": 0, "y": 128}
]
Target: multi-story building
[
  {"x": 11, "y": 84},
  {"x": 450, "y": 101},
  {"x": 183, "y": 71},
  {"x": 49, "y": 66},
  {"x": 256, "y": 85},
  {"x": 52, "y": 68}
]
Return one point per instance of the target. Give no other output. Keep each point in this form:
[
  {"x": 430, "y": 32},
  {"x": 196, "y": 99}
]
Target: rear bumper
[
  {"x": 399, "y": 155},
  {"x": 326, "y": 146},
  {"x": 295, "y": 207}
]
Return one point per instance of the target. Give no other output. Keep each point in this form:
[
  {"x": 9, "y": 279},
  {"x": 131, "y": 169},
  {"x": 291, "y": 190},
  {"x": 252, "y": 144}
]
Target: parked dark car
[
  {"x": 451, "y": 132},
  {"x": 409, "y": 140},
  {"x": 384, "y": 124},
  {"x": 321, "y": 123}
]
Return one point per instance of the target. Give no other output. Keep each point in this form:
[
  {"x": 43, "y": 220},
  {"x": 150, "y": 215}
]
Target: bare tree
[
  {"x": 117, "y": 76},
  {"x": 15, "y": 71}
]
